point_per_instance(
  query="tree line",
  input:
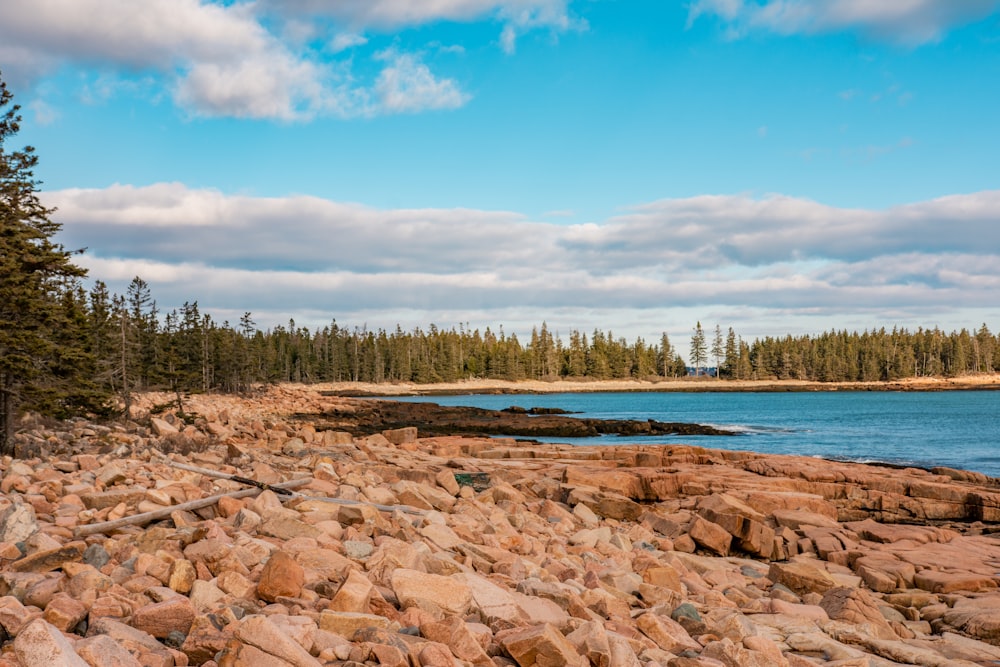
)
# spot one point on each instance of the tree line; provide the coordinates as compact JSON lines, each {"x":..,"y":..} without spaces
{"x":66,"y":349}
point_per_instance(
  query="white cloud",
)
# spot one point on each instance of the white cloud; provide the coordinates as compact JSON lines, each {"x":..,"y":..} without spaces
{"x":407,"y":85}
{"x":221,"y":59}
{"x":910,"y":22}
{"x":517,"y":16}
{"x":779,"y":257}
{"x":347,"y":40}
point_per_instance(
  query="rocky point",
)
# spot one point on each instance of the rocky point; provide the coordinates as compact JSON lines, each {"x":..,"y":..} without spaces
{"x":131,"y":544}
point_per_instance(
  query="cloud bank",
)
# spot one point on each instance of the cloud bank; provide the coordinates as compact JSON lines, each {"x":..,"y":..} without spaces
{"x":313,"y":258}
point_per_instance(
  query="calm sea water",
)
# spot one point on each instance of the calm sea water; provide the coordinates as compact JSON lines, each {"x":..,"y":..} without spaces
{"x":958,"y":429}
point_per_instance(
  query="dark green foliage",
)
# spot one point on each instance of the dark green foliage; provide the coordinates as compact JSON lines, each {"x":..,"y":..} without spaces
{"x":46,"y":338}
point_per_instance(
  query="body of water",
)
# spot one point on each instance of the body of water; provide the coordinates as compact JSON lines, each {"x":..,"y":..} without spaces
{"x":957,"y":429}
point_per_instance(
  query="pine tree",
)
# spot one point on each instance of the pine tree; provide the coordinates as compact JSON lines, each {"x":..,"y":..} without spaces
{"x":699,"y":349}
{"x":717,"y":350}
{"x":39,"y":327}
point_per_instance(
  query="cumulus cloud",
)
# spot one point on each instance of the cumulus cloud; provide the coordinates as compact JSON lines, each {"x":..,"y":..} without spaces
{"x":906,"y":21}
{"x":780,"y":256}
{"x":406,"y":85}
{"x":222,"y":60}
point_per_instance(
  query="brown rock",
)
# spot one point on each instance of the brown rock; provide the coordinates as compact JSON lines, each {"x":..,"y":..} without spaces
{"x":857,"y":607}
{"x":49,"y":559}
{"x":181,"y":576}
{"x":454,"y":633}
{"x":400,"y":436}
{"x":159,"y":619}
{"x":667,"y":633}
{"x":346,"y":623}
{"x":206,"y":637}
{"x":13,"y":615}
{"x":260,"y":632}
{"x":948,"y":582}
{"x":709,"y":535}
{"x":354,"y":594}
{"x":17,"y":522}
{"x":591,"y":641}
{"x":541,"y":646}
{"x":801,"y":576}
{"x":41,"y":644}
{"x":436,"y":655}
{"x":238,"y":654}
{"x":281,"y":576}
{"x":431,"y":592}
{"x":103,"y":651}
{"x":65,"y":612}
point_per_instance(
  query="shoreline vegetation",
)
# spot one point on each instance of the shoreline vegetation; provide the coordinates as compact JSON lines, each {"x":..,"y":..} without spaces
{"x":978,"y":382}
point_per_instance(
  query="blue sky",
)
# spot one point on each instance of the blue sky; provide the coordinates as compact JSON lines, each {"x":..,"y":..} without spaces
{"x":778,"y":166}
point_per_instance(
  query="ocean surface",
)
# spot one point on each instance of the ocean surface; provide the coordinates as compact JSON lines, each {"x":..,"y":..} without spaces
{"x":957,"y":429}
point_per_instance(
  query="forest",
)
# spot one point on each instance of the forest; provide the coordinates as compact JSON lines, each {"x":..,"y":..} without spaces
{"x":66,"y":349}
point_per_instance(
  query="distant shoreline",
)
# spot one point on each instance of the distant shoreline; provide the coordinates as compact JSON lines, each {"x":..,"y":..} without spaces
{"x":688,"y":385}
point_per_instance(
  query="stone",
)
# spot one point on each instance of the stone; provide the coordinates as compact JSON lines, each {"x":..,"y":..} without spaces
{"x":453,"y":632}
{"x":182,"y":575}
{"x":40,"y":644}
{"x":947,"y":582}
{"x":667,"y":633}
{"x":207,"y":636}
{"x":300,"y":628}
{"x":161,"y":427}
{"x":431,"y":592}
{"x":13,"y":615}
{"x":802,"y":577}
{"x":261,"y":633}
{"x":710,"y":535}
{"x":159,"y":619}
{"x":50,"y":559}
{"x":281,"y":576}
{"x":17,"y":522}
{"x":346,"y":623}
{"x":491,"y":601}
{"x":433,"y":654}
{"x":858,"y":607}
{"x":64,"y":612}
{"x":103,"y":651}
{"x":590,"y":640}
{"x":541,"y":646}
{"x":401,"y":436}
{"x":354,"y":594}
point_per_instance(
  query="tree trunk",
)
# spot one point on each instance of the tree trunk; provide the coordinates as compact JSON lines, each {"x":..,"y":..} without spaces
{"x":7,"y":411}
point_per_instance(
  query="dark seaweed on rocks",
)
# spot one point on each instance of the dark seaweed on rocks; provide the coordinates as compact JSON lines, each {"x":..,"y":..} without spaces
{"x":431,"y":419}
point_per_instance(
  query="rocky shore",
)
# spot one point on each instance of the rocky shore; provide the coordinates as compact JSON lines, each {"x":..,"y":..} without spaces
{"x":373,"y":416}
{"x":129,"y":545}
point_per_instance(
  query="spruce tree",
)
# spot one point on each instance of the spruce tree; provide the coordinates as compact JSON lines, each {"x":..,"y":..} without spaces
{"x":699,"y":349}
{"x":40,"y":349}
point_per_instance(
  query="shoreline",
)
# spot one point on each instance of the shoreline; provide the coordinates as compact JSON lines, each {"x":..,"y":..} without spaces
{"x":984,"y":382}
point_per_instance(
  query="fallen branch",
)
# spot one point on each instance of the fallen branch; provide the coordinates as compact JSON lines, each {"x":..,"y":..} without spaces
{"x":337,"y":501}
{"x":156,"y":515}
{"x":225,"y":475}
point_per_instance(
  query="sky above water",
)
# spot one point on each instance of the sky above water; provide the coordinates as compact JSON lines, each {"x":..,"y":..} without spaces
{"x":774,"y":166}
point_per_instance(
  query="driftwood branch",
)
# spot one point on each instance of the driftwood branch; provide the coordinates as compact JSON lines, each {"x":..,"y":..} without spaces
{"x":156,"y":515}
{"x":337,"y":501}
{"x":225,"y":475}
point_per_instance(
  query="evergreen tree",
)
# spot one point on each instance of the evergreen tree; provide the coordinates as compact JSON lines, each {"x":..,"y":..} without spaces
{"x":717,"y":350}
{"x":699,"y":349}
{"x":41,"y":345}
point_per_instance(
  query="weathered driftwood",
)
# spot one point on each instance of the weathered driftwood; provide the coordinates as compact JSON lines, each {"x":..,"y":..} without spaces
{"x":156,"y":515}
{"x":208,"y":472}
